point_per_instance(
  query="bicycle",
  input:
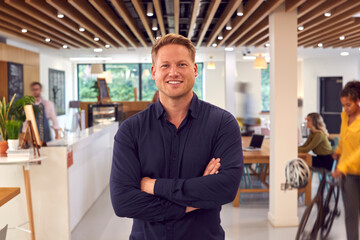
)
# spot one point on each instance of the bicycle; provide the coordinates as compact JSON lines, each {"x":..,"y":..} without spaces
{"x":321,"y":212}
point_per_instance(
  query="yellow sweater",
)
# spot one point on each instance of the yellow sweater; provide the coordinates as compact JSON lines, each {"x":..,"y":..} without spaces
{"x":349,"y":146}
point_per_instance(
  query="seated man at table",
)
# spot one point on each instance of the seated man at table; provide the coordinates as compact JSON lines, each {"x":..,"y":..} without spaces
{"x":318,"y":142}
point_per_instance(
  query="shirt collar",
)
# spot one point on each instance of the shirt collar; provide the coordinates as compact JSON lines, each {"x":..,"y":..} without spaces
{"x":193,"y":109}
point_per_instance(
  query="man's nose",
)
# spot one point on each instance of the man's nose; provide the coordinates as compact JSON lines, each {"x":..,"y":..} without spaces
{"x":173,"y":70}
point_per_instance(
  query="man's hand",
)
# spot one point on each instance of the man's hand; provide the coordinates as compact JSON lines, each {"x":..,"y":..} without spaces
{"x":147,"y":185}
{"x":337,"y":173}
{"x":212,"y":167}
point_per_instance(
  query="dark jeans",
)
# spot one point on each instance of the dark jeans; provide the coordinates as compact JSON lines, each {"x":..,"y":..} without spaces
{"x":323,"y":161}
{"x":351,"y":196}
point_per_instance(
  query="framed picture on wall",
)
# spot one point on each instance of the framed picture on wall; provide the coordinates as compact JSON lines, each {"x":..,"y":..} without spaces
{"x":15,"y":80}
{"x":57,"y":90}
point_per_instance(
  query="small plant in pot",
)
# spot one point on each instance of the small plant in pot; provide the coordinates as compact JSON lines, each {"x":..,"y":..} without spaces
{"x":4,"y":116}
{"x":13,"y":129}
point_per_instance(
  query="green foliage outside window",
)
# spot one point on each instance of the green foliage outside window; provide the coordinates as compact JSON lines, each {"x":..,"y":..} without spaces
{"x":124,"y":78}
{"x":265,"y":89}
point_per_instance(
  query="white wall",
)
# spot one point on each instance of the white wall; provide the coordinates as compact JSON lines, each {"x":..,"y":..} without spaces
{"x":247,"y":73}
{"x":347,"y":67}
{"x":214,"y":85}
{"x":61,"y":64}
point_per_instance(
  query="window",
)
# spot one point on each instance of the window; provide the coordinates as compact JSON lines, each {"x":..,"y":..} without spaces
{"x":126,"y":77}
{"x":265,"y":89}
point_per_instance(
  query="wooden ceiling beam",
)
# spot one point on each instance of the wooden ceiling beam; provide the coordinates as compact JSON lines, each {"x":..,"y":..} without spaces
{"x":345,"y":44}
{"x":110,"y":16}
{"x":176,"y":15}
{"x":9,"y":31}
{"x":194,"y":13}
{"x":50,"y":11}
{"x":121,"y":8}
{"x":291,"y":5}
{"x":264,"y":24}
{"x":261,"y":43}
{"x":85,"y":8}
{"x":21,"y":6}
{"x":159,"y":16}
{"x":310,"y":29}
{"x":29,"y":22}
{"x":76,"y":16}
{"x":139,"y":7}
{"x":208,"y":18}
{"x":22,"y":24}
{"x":352,"y":37}
{"x":224,"y":18}
{"x":258,"y":38}
{"x":40,"y":39}
{"x":249,"y":9}
{"x":346,"y":31}
{"x":319,"y":11}
{"x":261,"y":13}
{"x":337,"y":27}
{"x":308,"y":6}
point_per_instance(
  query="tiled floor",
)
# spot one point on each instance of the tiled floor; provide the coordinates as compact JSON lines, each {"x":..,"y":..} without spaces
{"x":249,"y":222}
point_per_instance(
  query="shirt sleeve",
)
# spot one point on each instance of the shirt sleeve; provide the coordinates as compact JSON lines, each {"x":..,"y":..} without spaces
{"x":52,"y":115}
{"x":352,"y":164}
{"x":126,"y":197}
{"x":210,"y":191}
{"x":301,"y":148}
{"x":314,"y":142}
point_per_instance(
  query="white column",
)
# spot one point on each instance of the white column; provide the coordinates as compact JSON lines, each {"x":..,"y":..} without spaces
{"x":283,"y":114}
{"x":230,"y":66}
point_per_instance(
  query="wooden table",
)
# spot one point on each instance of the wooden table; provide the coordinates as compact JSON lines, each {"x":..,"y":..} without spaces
{"x":263,"y":157}
{"x":6,"y":194}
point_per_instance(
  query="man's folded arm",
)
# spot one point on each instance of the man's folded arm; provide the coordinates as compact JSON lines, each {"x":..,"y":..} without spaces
{"x":213,"y":190}
{"x":127,"y":198}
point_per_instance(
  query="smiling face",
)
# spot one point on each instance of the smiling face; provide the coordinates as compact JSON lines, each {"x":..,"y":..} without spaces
{"x":174,"y":72}
{"x":350,"y":106}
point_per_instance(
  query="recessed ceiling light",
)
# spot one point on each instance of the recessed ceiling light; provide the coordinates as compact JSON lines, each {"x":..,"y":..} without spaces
{"x":228,"y":25}
{"x":344,"y":53}
{"x":214,"y":44}
{"x":107,"y":46}
{"x":220,"y":37}
{"x":267,"y":44}
{"x":229,"y":49}
{"x":320,"y":45}
{"x":60,"y":15}
{"x":327,"y":14}
{"x":150,"y":10}
{"x":98,"y":49}
{"x":47,"y":40}
{"x":342,"y":37}
{"x":65,"y":46}
{"x":154,"y":25}
{"x":24,"y":30}
{"x":301,"y":28}
{"x":240,"y":11}
{"x":96,"y":39}
{"x":81,"y":29}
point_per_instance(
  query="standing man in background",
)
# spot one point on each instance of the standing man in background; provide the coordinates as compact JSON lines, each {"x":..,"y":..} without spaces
{"x":177,"y":162}
{"x":46,"y":112}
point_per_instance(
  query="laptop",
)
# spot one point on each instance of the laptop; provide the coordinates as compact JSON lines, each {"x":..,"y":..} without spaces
{"x":3,"y":233}
{"x":255,"y":143}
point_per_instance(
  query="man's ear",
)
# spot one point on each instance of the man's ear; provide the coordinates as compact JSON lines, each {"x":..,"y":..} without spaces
{"x":195,"y":69}
{"x":153,"y":72}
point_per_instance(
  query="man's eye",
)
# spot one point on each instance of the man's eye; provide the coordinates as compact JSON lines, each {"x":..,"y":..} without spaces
{"x":164,"y":66}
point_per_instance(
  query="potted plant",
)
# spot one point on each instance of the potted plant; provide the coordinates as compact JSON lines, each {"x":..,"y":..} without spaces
{"x":4,"y":116}
{"x":13,"y":129}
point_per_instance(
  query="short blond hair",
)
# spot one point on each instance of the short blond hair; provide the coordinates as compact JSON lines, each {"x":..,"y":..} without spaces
{"x":172,"y":38}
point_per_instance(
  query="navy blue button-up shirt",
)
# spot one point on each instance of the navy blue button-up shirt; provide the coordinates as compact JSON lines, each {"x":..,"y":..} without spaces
{"x":148,"y":145}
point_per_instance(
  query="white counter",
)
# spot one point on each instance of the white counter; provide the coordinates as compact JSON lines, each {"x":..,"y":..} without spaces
{"x":62,"y":193}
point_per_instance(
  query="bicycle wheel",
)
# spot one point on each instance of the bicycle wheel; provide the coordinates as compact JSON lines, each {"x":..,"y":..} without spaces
{"x":309,"y":225}
{"x":330,"y":210}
